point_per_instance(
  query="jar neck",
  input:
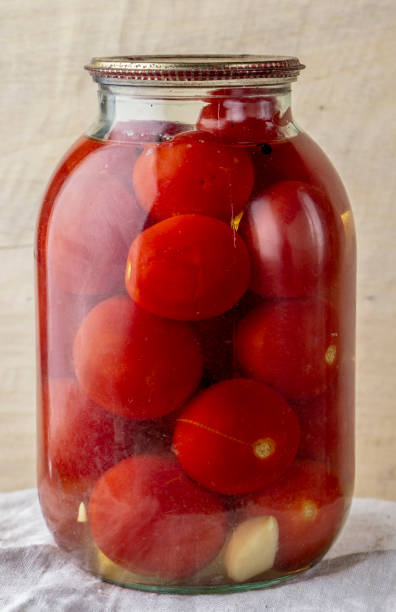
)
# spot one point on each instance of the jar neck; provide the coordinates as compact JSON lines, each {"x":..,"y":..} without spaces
{"x":119,"y":104}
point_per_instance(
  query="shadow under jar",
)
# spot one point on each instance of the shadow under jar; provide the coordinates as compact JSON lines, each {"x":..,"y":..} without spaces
{"x":196,"y":302}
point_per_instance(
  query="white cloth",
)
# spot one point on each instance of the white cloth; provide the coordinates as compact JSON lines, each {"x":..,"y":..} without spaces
{"x":359,"y":573}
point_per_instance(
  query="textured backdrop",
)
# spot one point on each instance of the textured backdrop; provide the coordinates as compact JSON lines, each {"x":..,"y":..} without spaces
{"x":345,"y":99}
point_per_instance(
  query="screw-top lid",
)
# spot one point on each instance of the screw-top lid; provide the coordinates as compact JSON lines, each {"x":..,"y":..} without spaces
{"x":195,"y":69}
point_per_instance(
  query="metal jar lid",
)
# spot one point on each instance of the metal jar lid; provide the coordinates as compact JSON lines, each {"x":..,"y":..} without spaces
{"x":195,"y":70}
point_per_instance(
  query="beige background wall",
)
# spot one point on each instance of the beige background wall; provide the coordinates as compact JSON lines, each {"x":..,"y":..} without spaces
{"x":345,"y":99}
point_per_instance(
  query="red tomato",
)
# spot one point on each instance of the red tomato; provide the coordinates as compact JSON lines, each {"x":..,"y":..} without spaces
{"x":291,"y":345}
{"x":293,"y":237}
{"x":244,"y":120}
{"x":160,"y":522}
{"x":90,"y":231}
{"x":139,"y":131}
{"x":135,"y":364}
{"x":84,"y":440}
{"x":236,"y":436}
{"x":193,"y":174}
{"x":307,"y":503}
{"x":189,"y":267}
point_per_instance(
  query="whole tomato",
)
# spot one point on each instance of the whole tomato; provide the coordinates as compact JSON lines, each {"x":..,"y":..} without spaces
{"x":189,"y":267}
{"x":244,"y":119}
{"x":236,"y":436}
{"x":193,"y":173}
{"x":292,"y":345}
{"x":133,"y":363}
{"x":308,"y":504}
{"x":293,"y":237}
{"x":147,"y":516}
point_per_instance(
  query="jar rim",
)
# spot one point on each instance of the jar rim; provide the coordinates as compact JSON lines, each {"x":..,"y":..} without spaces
{"x":194,"y":70}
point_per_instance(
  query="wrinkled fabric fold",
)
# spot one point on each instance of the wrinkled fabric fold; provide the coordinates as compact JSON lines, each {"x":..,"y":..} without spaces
{"x":359,"y":573}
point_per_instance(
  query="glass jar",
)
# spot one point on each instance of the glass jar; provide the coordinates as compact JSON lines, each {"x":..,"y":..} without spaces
{"x":196,"y":303}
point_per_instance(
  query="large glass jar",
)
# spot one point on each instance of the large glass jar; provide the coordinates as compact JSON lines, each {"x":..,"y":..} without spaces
{"x":196,"y":302}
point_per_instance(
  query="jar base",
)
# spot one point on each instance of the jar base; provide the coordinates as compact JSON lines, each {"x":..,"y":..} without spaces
{"x":212,"y":589}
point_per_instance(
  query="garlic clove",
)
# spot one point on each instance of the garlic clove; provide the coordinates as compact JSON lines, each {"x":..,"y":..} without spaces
{"x":252,"y":548}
